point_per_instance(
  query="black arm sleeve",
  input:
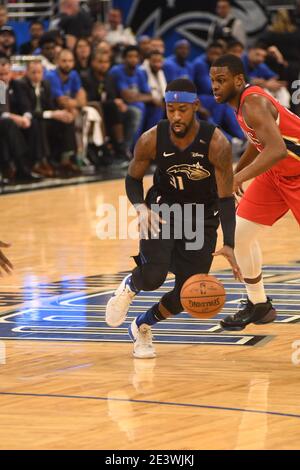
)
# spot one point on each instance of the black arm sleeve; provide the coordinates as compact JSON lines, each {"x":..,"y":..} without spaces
{"x":134,"y":190}
{"x":228,"y":220}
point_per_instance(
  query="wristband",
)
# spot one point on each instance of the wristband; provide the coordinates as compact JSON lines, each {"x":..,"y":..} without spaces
{"x":228,"y":219}
{"x":134,"y":190}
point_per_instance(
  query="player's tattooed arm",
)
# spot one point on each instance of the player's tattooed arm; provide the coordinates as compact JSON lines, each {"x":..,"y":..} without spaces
{"x":144,"y":153}
{"x":260,"y":114}
{"x":220,"y":155}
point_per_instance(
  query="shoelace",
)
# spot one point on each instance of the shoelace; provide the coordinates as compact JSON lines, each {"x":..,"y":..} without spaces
{"x":146,"y":336}
{"x":119,"y":300}
{"x":246,"y":304}
{"x":242,"y":312}
{"x":126,"y":291}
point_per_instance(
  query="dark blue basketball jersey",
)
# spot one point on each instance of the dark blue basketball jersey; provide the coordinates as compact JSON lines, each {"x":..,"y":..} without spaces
{"x":185,"y":176}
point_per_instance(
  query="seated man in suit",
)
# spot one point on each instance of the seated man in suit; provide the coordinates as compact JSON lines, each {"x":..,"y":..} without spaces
{"x":15,"y":119}
{"x":40,"y":104}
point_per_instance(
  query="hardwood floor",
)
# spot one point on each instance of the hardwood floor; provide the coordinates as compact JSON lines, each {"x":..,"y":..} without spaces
{"x":57,"y":392}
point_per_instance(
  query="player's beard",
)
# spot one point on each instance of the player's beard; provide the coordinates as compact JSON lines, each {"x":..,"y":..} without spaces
{"x":181,"y":134}
{"x":229,"y":97}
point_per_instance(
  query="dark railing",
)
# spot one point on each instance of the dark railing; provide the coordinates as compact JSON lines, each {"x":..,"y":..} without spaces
{"x":20,"y":10}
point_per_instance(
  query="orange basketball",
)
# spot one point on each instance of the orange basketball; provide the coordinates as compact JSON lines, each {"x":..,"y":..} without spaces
{"x":202,"y":296}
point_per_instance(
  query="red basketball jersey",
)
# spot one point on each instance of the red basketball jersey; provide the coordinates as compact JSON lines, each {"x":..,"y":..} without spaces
{"x":289,"y":125}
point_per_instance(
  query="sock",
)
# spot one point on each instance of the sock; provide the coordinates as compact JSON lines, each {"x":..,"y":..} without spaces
{"x":150,"y":317}
{"x":256,"y":292}
{"x":130,"y":284}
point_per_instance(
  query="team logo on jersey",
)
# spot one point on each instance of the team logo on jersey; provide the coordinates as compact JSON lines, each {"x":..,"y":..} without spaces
{"x":196,"y":154}
{"x":194,"y":172}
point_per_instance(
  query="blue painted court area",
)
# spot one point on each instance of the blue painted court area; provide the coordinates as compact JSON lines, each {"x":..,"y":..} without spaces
{"x":79,"y":315}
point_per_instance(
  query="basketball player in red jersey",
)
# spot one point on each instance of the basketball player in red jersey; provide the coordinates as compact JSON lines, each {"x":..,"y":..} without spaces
{"x":272,"y":158}
{"x":5,"y":264}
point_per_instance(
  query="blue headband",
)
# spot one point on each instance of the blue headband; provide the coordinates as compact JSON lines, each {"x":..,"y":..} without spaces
{"x":180,"y":97}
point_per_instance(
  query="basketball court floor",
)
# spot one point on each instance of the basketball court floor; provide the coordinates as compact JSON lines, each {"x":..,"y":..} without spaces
{"x":70,"y":382}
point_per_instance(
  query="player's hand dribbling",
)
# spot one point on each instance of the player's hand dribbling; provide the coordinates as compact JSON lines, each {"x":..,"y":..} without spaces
{"x":228,"y":253}
{"x":149,"y":222}
{"x":5,"y":264}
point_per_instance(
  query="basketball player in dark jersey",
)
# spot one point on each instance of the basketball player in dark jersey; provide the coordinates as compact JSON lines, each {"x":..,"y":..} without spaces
{"x":5,"y":264}
{"x":193,"y":166}
{"x":272,"y":158}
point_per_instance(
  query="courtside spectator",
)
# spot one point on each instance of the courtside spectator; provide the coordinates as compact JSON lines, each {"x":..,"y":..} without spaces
{"x":284,"y":35}
{"x":73,"y":21}
{"x":94,"y":9}
{"x":82,"y":54}
{"x":47,"y":51}
{"x":132,"y":87}
{"x":100,"y":89}
{"x":40,"y":104}
{"x":36,"y":32}
{"x":226,"y":26}
{"x":67,"y":91}
{"x":202,"y":66}
{"x":177,"y":65}
{"x":105,"y":48}
{"x":117,"y":33}
{"x":144,"y":45}
{"x":157,"y":44}
{"x":236,"y":48}
{"x":7,"y":41}
{"x":222,"y":115}
{"x":258,"y":73}
{"x":15,"y":118}
{"x":99,"y":32}
{"x":157,"y":83}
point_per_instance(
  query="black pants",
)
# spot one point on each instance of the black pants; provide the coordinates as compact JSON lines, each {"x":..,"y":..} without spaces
{"x":159,"y":256}
{"x":112,"y":115}
{"x":62,"y":139}
{"x":37,"y":140}
{"x":13,"y":145}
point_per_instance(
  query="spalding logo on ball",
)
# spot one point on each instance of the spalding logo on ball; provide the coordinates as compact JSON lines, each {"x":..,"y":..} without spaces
{"x":202,"y":296}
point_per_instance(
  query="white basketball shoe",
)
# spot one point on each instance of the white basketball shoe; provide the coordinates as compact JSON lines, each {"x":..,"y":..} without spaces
{"x":118,"y":305}
{"x":142,"y":341}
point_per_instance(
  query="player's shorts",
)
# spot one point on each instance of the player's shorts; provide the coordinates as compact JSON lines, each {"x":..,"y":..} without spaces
{"x":269,"y":197}
{"x":174,"y":253}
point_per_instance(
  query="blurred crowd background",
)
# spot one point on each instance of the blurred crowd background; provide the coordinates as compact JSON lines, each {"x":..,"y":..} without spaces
{"x":78,"y":84}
